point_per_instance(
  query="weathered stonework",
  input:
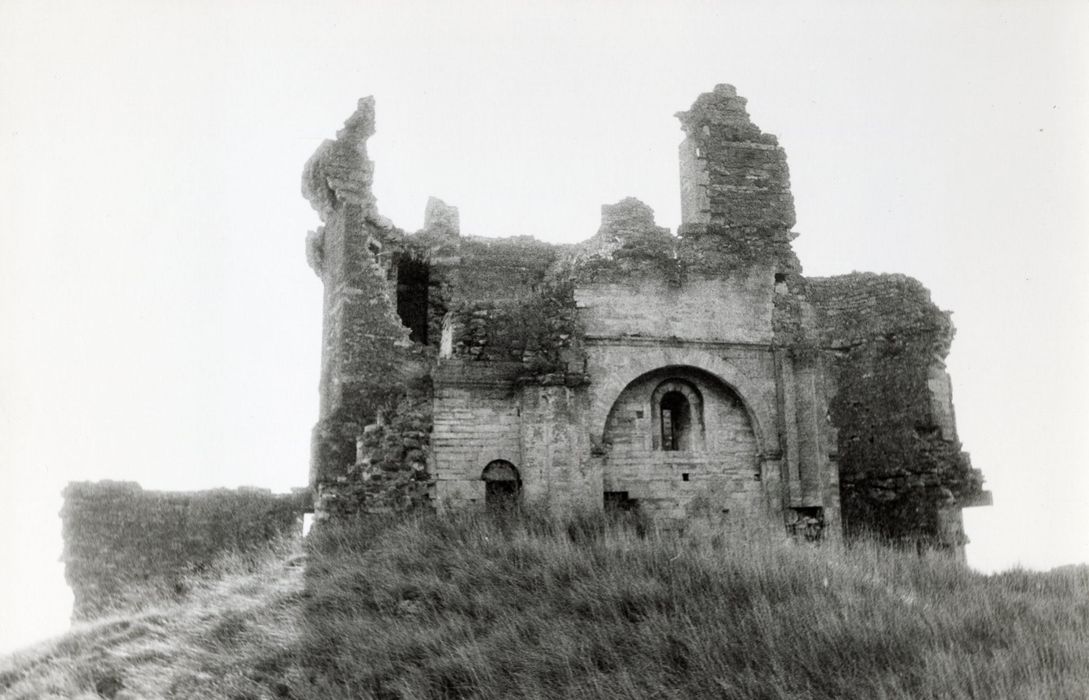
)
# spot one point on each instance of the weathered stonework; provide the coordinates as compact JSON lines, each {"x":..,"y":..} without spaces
{"x":697,"y":376}
{"x":122,"y":542}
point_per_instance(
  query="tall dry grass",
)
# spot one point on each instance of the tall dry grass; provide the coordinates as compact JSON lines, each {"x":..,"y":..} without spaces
{"x":232,"y":634}
{"x":533,"y":607}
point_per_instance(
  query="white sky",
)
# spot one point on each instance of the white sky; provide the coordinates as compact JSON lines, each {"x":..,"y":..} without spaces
{"x":160,"y":323}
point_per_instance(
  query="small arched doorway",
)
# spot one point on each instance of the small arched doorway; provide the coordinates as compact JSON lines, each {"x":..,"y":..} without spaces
{"x":502,"y":485}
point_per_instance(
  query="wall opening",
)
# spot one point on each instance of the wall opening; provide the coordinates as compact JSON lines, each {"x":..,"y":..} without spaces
{"x":413,"y":280}
{"x":807,"y":522}
{"x":502,"y":485}
{"x":781,"y":283}
{"x":676,"y":421}
{"x":618,"y":501}
{"x":677,"y":416}
{"x":446,"y":342}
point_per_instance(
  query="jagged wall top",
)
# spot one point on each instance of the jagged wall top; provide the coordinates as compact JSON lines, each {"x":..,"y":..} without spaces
{"x":340,"y":171}
{"x":725,"y":110}
{"x":441,"y":217}
{"x":628,"y":218}
{"x":733,"y":176}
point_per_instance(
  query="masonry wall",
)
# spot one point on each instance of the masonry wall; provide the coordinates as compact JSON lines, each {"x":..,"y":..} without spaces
{"x":735,"y":307}
{"x":366,"y":359}
{"x":716,"y":474}
{"x":902,"y":471}
{"x":732,"y":173}
{"x":530,"y":348}
{"x":483,"y":413}
{"x":498,"y":269}
{"x":122,"y":542}
{"x":477,"y":420}
{"x":390,"y":471}
{"x":557,"y":454}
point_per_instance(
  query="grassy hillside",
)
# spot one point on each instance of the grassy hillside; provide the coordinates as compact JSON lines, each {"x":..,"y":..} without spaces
{"x":459,"y":607}
{"x":532,"y":607}
{"x":232,"y":635}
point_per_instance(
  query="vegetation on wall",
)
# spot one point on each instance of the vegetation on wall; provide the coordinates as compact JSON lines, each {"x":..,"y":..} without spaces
{"x":897,"y":468}
{"x":714,"y":249}
{"x":541,"y":331}
{"x":391,"y":473}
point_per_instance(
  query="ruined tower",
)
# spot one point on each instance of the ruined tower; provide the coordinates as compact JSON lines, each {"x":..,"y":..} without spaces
{"x":732,"y":174}
{"x":697,"y":377}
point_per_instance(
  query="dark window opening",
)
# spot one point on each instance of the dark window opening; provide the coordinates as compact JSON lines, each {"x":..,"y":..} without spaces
{"x":619,"y":501}
{"x":502,"y":486}
{"x":413,"y":278}
{"x":808,"y":523}
{"x":684,"y":476}
{"x":676,"y":421}
{"x":501,"y":495}
{"x":927,"y":432}
{"x":781,"y":283}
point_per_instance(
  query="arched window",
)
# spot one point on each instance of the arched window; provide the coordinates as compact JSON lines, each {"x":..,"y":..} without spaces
{"x":502,"y":485}
{"x":678,"y":409}
{"x":676,"y":421}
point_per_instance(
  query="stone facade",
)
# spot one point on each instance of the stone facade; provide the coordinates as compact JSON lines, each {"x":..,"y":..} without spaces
{"x":695,"y":377}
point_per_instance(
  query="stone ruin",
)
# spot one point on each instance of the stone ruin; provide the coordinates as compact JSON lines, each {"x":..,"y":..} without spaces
{"x":695,"y":377}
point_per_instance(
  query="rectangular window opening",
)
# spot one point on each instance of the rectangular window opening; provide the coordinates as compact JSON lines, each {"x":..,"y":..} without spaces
{"x":619,"y":501}
{"x":668,"y":442}
{"x":808,"y":523}
{"x":413,"y":280}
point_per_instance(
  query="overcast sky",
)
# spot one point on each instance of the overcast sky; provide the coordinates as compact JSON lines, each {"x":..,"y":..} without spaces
{"x":160,"y":323}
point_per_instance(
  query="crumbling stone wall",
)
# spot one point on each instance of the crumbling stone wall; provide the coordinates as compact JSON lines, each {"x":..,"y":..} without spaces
{"x":541,"y":331}
{"x":444,"y":353}
{"x":122,"y":542}
{"x":390,"y":470}
{"x":366,"y":358}
{"x":498,"y":269}
{"x":902,"y":470}
{"x":732,"y":173}
{"x":394,"y":302}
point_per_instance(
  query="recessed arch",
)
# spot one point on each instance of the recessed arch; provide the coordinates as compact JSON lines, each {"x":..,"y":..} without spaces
{"x":680,"y":442}
{"x":620,"y":370}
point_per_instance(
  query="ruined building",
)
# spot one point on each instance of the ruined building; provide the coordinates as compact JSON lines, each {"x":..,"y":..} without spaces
{"x":694,"y":377}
